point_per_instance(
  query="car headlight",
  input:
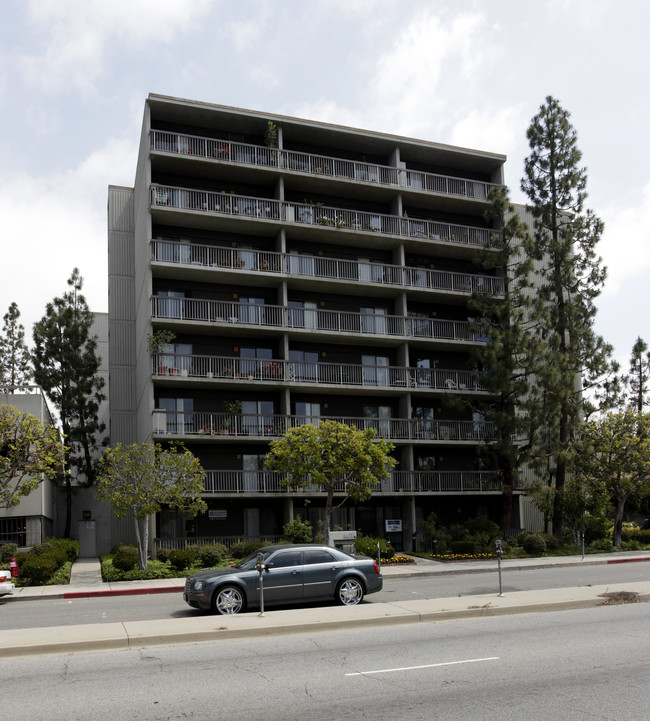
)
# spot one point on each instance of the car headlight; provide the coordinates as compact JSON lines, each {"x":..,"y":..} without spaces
{"x":198,"y":585}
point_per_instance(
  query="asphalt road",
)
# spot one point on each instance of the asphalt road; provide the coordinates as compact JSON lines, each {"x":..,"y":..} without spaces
{"x":59,"y":612}
{"x":566,"y":666}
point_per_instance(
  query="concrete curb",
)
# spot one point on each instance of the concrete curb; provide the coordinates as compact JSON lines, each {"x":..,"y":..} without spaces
{"x":208,"y":629}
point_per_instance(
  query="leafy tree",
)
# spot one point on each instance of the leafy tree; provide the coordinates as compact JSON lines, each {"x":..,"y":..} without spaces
{"x":29,"y":453}
{"x":15,"y":361}
{"x":333,"y":456}
{"x":142,"y":478}
{"x":615,"y":459}
{"x":569,"y":277}
{"x":66,"y":366}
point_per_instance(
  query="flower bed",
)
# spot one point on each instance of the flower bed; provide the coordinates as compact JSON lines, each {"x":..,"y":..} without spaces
{"x":448,"y":557}
{"x":396,"y":560}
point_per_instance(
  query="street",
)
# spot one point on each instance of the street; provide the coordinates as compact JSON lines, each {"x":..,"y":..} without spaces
{"x":59,"y":612}
{"x":566,"y":665}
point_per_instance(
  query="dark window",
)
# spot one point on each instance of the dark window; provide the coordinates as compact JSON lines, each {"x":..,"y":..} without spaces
{"x":318,"y":555}
{"x":286,"y":558}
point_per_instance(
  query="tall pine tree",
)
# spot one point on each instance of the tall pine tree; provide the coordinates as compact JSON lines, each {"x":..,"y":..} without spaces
{"x":569,"y":277}
{"x":15,"y":361}
{"x":638,"y":379}
{"x":66,"y":366}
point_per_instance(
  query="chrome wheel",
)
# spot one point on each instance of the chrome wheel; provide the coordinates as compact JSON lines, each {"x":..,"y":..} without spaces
{"x":349,"y":592}
{"x":229,"y":600}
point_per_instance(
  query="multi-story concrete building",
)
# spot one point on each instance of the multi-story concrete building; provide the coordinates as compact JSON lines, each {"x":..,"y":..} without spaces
{"x":324,"y":275}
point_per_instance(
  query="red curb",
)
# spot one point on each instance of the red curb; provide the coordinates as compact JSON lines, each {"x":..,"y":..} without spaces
{"x":627,"y":560}
{"x":124,"y":592}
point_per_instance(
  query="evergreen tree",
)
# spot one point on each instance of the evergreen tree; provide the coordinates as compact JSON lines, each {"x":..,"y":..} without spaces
{"x":569,"y":277}
{"x":503,"y":366}
{"x":65,"y":366}
{"x":15,"y":361}
{"x":639,"y":377}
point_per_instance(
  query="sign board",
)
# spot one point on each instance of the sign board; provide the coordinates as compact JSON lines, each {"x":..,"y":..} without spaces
{"x":394,"y":526}
{"x":218,"y":514}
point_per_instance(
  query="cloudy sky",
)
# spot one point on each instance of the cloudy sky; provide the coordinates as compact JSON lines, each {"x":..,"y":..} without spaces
{"x":74,"y":75}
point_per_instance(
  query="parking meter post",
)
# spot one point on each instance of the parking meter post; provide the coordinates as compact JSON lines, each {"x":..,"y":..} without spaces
{"x":260,"y":568}
{"x":583,"y":545}
{"x":499,"y":549}
{"x":379,"y":555}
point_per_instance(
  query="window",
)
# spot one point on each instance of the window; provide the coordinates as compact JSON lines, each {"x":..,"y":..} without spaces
{"x":250,"y":310}
{"x":170,"y":304}
{"x":257,"y":418}
{"x":319,"y":555}
{"x":283,"y":559}
{"x":304,"y":366}
{"x":375,"y":370}
{"x":252,"y":360}
{"x":307,"y":413}
{"x":303,"y":314}
{"x":180,"y":416}
{"x":373,"y":320}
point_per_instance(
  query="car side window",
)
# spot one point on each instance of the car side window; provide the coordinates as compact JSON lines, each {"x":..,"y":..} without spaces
{"x":285,"y":558}
{"x":318,"y":555}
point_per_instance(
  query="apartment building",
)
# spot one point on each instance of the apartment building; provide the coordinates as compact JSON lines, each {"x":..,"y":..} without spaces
{"x":306,"y":271}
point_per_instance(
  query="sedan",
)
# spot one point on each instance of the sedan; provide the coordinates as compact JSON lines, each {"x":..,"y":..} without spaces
{"x":6,"y":584}
{"x":289,"y":574}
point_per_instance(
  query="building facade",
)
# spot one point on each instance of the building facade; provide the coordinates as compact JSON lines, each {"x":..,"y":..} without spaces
{"x":306,"y":271}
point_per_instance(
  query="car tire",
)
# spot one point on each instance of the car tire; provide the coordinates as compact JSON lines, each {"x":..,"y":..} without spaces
{"x":228,"y":600}
{"x":349,"y":592}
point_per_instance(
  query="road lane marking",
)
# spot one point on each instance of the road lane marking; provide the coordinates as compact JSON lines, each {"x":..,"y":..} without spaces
{"x":429,"y":665}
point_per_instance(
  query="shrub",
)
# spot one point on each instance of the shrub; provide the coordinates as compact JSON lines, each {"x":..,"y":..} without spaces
{"x":244,"y":549}
{"x":56,"y":553}
{"x":7,"y":551}
{"x":181,"y":558}
{"x":483,"y":524}
{"x":210,"y":554}
{"x":162,"y":554}
{"x":534,"y":544}
{"x":458,"y":532}
{"x":66,"y":545}
{"x":126,"y":558}
{"x":38,"y":569}
{"x":631,"y":546}
{"x":462,"y":548}
{"x":628,"y":534}
{"x":601,"y":545}
{"x":298,"y":531}
{"x":596,"y":528}
{"x":367,"y":546}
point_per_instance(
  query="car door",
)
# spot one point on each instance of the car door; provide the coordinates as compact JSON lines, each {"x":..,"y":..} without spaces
{"x":320,"y":571}
{"x":283,"y":577}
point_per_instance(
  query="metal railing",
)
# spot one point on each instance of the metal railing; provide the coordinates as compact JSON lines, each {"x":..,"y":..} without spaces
{"x":180,"y":253}
{"x":314,"y":164}
{"x":206,"y":201}
{"x":340,"y":374}
{"x":228,"y":541}
{"x":240,"y":481}
{"x":316,"y":319}
{"x":179,"y":423}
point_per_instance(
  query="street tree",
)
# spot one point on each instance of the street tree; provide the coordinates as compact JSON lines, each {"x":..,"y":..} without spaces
{"x":333,"y":456}
{"x":615,"y":458}
{"x":66,"y":367}
{"x":15,"y":361}
{"x":568,"y":278}
{"x":29,"y":453}
{"x":140,"y":479}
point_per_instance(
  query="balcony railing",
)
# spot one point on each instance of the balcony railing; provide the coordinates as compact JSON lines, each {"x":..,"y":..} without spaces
{"x":317,"y":319}
{"x":313,"y":164}
{"x":167,"y":196}
{"x":168,"y":251}
{"x":339,"y":374}
{"x":238,"y":481}
{"x":173,"y":423}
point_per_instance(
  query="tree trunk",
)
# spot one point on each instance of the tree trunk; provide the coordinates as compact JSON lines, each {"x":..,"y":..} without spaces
{"x":142,"y":539}
{"x":328,"y":515}
{"x":508,"y":483}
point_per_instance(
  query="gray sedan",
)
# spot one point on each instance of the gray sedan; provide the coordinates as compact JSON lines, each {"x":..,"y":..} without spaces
{"x":291,"y":574}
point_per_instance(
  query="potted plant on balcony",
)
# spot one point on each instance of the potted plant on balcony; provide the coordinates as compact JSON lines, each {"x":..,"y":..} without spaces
{"x":158,"y":343}
{"x":232,"y":409}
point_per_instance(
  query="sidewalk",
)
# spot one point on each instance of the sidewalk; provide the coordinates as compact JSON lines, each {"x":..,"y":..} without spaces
{"x":86,"y":582}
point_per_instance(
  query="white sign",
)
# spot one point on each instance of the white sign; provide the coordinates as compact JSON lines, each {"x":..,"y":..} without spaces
{"x":393,"y":526}
{"x":218,"y":515}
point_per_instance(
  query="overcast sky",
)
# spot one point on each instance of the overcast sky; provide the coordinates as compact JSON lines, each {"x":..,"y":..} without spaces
{"x":74,"y":76}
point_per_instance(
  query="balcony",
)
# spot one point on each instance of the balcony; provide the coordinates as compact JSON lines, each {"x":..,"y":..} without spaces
{"x":167,"y":197}
{"x":240,"y":482}
{"x":315,"y":320}
{"x":319,"y":165}
{"x":300,"y":372}
{"x":217,"y":425}
{"x":285,"y":264}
